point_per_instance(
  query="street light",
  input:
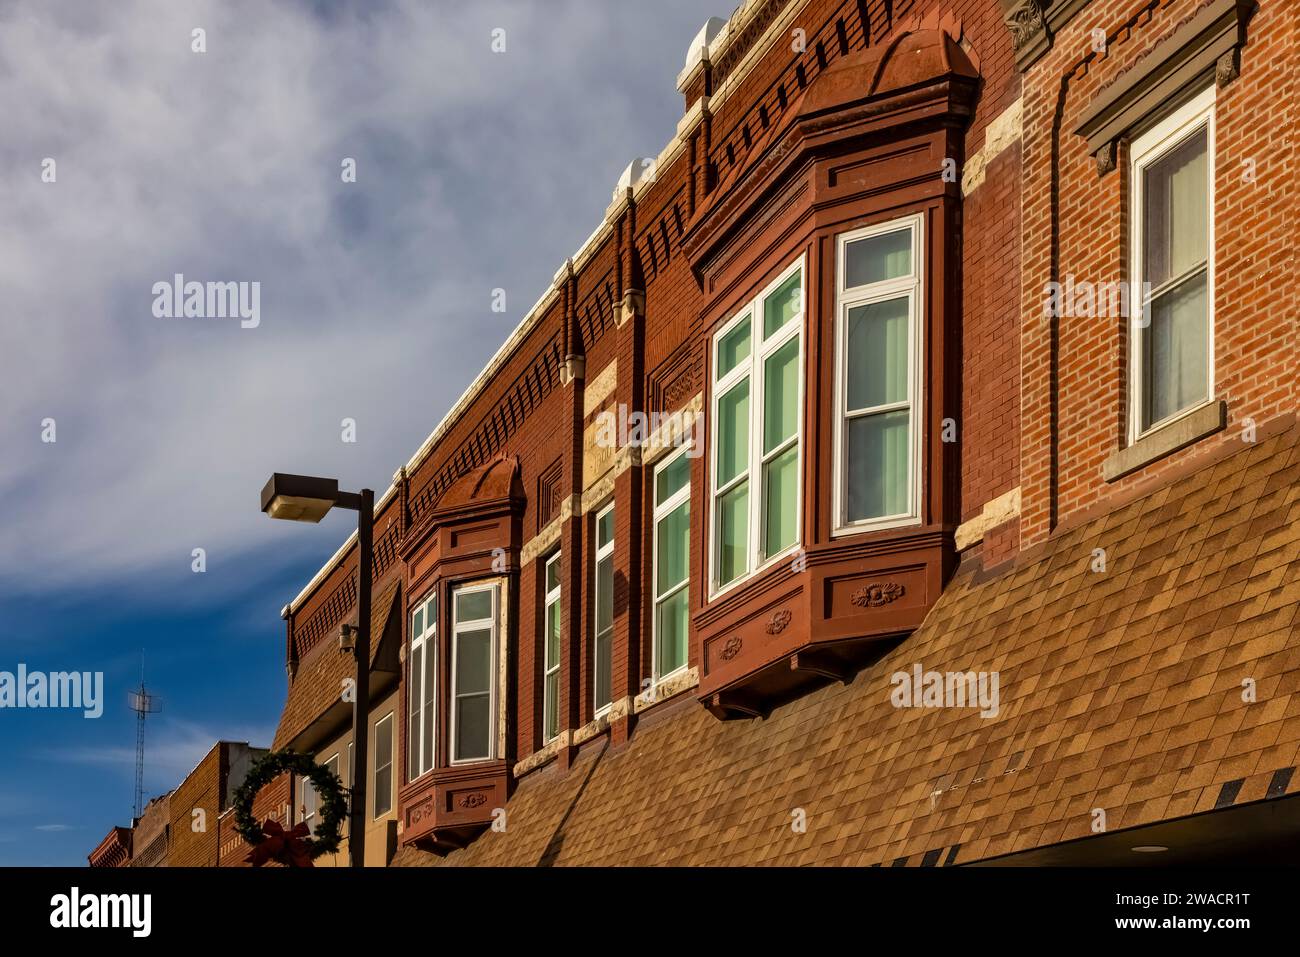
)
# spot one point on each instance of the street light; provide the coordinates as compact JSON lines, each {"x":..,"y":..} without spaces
{"x":305,"y":498}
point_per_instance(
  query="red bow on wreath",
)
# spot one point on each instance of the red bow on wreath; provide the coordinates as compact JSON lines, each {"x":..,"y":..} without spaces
{"x":285,"y":847}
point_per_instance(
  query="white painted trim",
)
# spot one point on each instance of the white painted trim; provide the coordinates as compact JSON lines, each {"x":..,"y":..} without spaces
{"x":752,"y":369}
{"x":1160,"y":139}
{"x":659,"y":511}
{"x":913,"y":286}
{"x":552,"y":597}
{"x":475,"y":624}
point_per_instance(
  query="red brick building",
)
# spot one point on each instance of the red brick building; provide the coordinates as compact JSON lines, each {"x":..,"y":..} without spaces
{"x":904,"y":472}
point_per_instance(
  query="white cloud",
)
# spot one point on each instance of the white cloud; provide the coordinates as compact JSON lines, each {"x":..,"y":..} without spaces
{"x":475,"y":170}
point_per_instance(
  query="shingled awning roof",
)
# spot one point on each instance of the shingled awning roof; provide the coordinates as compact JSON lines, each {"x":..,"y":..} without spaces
{"x":1120,"y":690}
{"x":317,"y":686}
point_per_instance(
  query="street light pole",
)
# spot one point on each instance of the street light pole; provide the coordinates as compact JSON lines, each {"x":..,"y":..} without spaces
{"x":361,"y":696}
{"x":304,"y":498}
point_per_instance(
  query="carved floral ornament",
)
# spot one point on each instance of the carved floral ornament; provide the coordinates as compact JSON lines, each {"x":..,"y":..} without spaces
{"x":473,"y":799}
{"x":777,"y":623}
{"x":732,"y":647}
{"x":875,"y":594}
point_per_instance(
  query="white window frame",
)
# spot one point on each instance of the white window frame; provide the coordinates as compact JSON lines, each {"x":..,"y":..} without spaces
{"x":476,"y":624}
{"x":552,"y":597}
{"x":660,"y":510}
{"x":912,"y":286}
{"x":1145,"y":149}
{"x":376,"y":814}
{"x":602,"y":552}
{"x":309,"y":788}
{"x":427,"y":641}
{"x":752,"y":368}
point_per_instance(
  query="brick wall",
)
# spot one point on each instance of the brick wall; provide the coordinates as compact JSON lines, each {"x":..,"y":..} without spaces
{"x":1254,"y":306}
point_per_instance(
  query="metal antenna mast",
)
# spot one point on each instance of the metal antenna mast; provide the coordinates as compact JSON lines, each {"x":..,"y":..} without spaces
{"x":142,"y":703}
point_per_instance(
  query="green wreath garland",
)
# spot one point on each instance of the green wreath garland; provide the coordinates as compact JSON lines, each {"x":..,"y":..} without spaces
{"x":333,"y":806}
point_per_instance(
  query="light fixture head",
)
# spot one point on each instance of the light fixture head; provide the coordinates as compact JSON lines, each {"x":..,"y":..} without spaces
{"x":299,"y":498}
{"x":347,"y":638}
{"x":1149,"y":849}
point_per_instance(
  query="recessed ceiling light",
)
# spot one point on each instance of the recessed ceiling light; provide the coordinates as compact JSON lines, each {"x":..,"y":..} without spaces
{"x":1150,"y":848}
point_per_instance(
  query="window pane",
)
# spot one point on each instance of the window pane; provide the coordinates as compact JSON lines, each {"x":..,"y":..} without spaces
{"x":733,"y":533}
{"x":672,"y":477}
{"x":473,"y":727}
{"x":780,"y":395}
{"x":473,"y":605}
{"x":383,"y":791}
{"x":413,"y":726}
{"x":783,"y":304}
{"x":551,"y":727}
{"x":733,"y":432}
{"x":886,"y":256}
{"x":733,"y":348}
{"x":383,"y":767}
{"x":552,"y":634}
{"x":878,"y":465}
{"x":673,"y":541}
{"x":430,"y":686}
{"x":1174,"y":351}
{"x":417,"y":626}
{"x":781,"y":488}
{"x":605,"y":529}
{"x":604,"y":648}
{"x":672,"y":630}
{"x":383,"y":743}
{"x":473,"y":661}
{"x":1175,"y":234}
{"x":552,"y":573}
{"x":877,"y":354}
{"x":605,"y":593}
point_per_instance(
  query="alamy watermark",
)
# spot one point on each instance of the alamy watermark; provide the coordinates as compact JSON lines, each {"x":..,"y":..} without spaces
{"x":179,"y":299}
{"x":919,"y":688}
{"x":619,"y":428}
{"x":1101,"y":300}
{"x":82,"y":690}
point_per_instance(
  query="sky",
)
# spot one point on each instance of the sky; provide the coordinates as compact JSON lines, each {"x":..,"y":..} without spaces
{"x":129,"y":439}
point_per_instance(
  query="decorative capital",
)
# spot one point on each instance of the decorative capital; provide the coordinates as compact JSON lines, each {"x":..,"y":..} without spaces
{"x":1030,"y":34}
{"x":1106,"y":158}
{"x":633,"y":305}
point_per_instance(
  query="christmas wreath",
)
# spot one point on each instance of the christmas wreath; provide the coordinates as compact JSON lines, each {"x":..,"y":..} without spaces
{"x":296,"y":847}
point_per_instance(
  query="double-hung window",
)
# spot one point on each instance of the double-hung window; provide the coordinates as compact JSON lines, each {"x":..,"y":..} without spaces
{"x":757,"y":414}
{"x":603,"y":643}
{"x":422,"y":682}
{"x":473,"y":672}
{"x":672,"y":563}
{"x":551,"y":624}
{"x":1173,"y":235}
{"x":879,"y":301}
{"x":383,"y":783}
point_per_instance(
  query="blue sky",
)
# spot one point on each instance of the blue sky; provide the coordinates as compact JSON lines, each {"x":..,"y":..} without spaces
{"x":475,"y":171}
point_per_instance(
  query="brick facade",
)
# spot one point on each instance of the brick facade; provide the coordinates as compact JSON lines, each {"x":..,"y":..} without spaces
{"x":805,"y":120}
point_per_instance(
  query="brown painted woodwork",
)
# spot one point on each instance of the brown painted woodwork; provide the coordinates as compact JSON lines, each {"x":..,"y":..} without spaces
{"x":473,"y":533}
{"x":868,"y":145}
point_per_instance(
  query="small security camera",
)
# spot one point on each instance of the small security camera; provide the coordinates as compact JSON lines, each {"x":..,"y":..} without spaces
{"x":347,"y":638}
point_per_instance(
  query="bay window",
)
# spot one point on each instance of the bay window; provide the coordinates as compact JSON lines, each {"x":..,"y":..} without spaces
{"x":473,"y":672}
{"x":603,"y":643}
{"x":879,"y":301}
{"x":757,"y":415}
{"x":1173,"y":227}
{"x":672,"y":563}
{"x":551,"y":651}
{"x":421,"y":684}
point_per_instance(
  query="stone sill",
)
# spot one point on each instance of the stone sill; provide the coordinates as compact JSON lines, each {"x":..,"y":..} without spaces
{"x":1178,"y":434}
{"x":676,"y":685}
